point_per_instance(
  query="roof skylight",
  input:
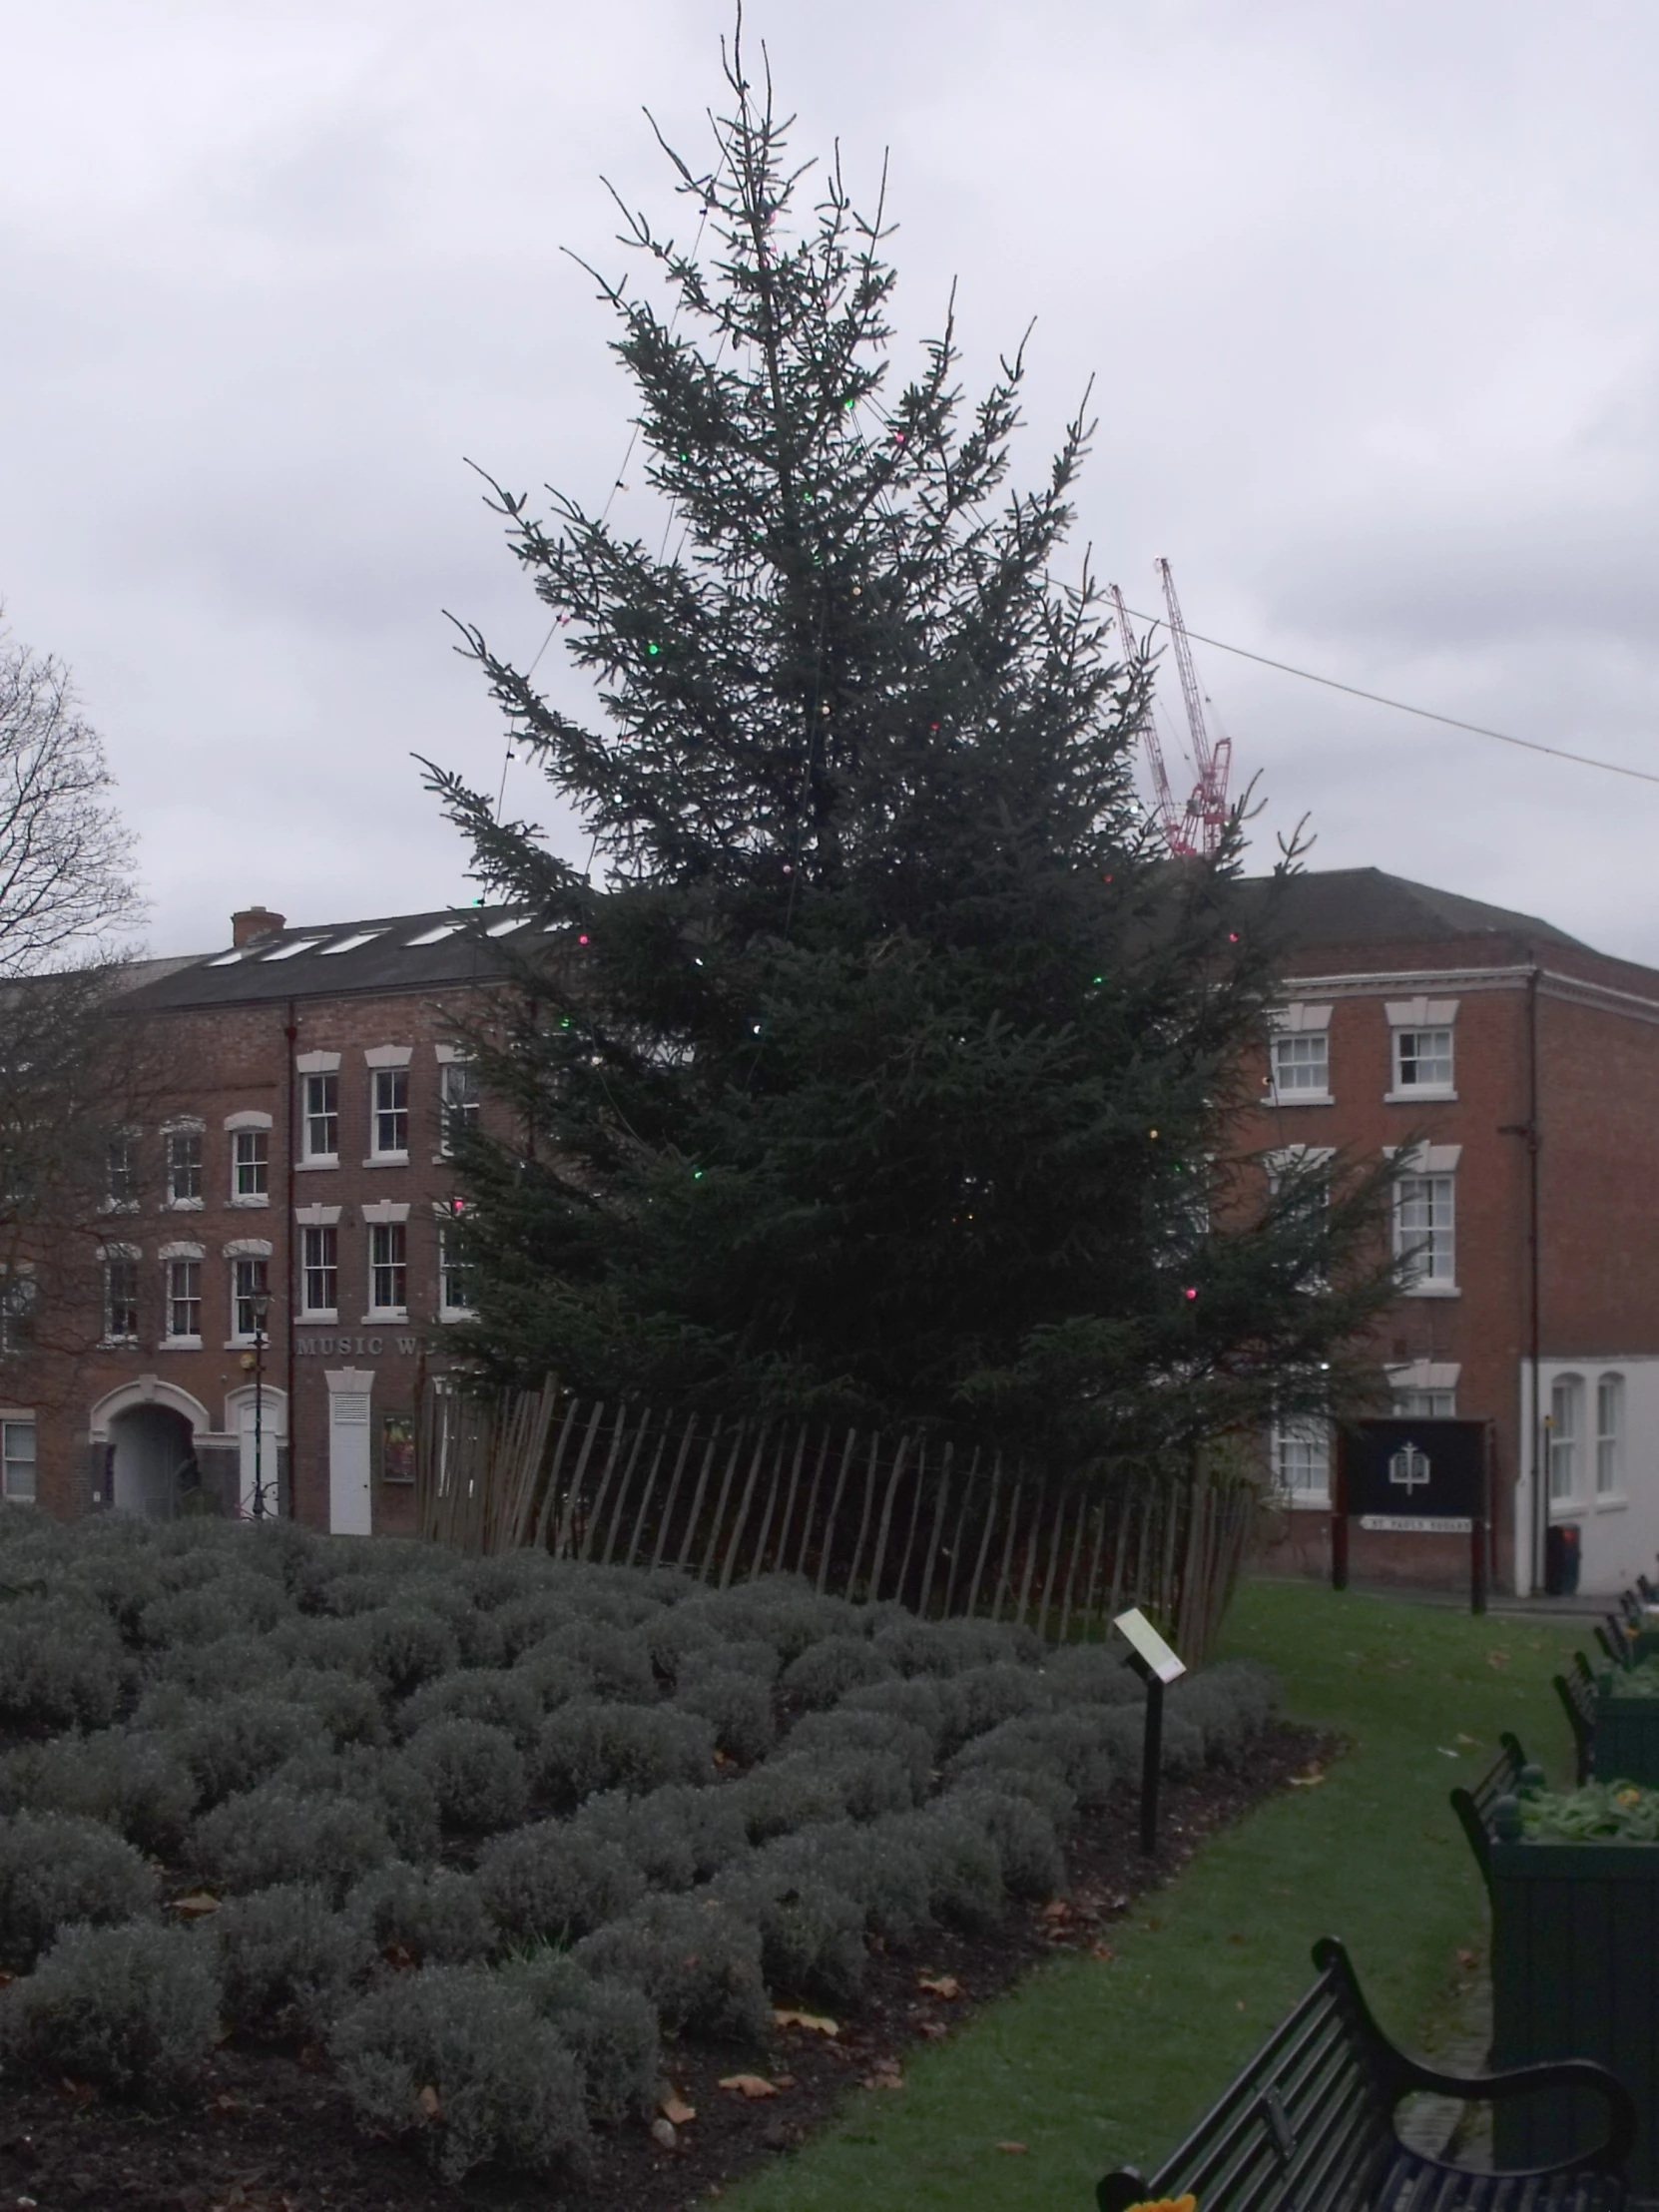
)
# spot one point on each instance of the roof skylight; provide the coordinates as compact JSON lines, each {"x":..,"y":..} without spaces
{"x":350,"y":944}
{"x":432,"y":937}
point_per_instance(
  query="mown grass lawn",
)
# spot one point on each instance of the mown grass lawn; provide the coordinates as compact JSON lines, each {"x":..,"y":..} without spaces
{"x":1093,"y":2064}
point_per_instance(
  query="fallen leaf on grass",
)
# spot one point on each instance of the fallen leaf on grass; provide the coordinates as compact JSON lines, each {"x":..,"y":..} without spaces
{"x":939,"y":1985}
{"x":888,"y":2073}
{"x":1307,"y":1781}
{"x":1445,"y":1751}
{"x":1469,"y":1958}
{"x":674,"y":2109}
{"x":749,"y":2085}
{"x":1056,"y":1909}
{"x":1016,"y":2150}
{"x":1466,"y":1740}
{"x":1103,"y":1952}
{"x":430,"y":2102}
{"x":933,"y":2029}
{"x":1497,"y":1658}
{"x":195,"y":1905}
{"x":816,"y":2021}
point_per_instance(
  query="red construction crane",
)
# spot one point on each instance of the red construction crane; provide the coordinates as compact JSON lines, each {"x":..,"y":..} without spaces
{"x":1207,"y":809}
{"x":1175,"y":825}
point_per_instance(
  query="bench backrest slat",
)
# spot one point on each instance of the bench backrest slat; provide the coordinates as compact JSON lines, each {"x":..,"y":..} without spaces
{"x":1309,"y":2078}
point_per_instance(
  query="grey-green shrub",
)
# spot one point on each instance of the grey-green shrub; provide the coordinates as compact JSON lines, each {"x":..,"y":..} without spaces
{"x":811,"y":1933}
{"x":676,"y":1836}
{"x":789,"y":1793}
{"x":616,"y":1661}
{"x":964,"y":1868}
{"x":1122,"y":1729}
{"x":610,"y":2028}
{"x":1082,"y":1747}
{"x":275,"y":1833}
{"x":983,"y":1698}
{"x":476,"y":1774}
{"x":1027,"y":1844}
{"x":286,"y":1961}
{"x":751,"y":1656}
{"x":854,"y":1729}
{"x":924,"y":1703}
{"x":586,"y":1747}
{"x":553,"y":1677}
{"x":697,"y":1958}
{"x":1094,"y":1674}
{"x":502,"y":1699}
{"x":433,"y":1913}
{"x":231,"y":1604}
{"x":554,"y":1880}
{"x":528,"y":1621}
{"x":408,"y":1645}
{"x":825,"y":1671}
{"x":508,"y":2091}
{"x":239,"y":1740}
{"x":55,"y":1869}
{"x":132,"y":2008}
{"x":60,"y":1667}
{"x":1229,"y":1704}
{"x":348,"y":1708}
{"x":952,"y":1647}
{"x":137,"y":1784}
{"x":394,"y":1791}
{"x":873,"y":1863}
{"x":230,"y":1665}
{"x":738,"y":1707}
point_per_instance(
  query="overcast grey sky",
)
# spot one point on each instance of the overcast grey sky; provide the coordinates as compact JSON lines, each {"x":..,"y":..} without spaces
{"x":1371,"y":293}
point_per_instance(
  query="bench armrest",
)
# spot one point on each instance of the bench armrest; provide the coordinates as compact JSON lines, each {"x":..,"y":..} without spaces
{"x":1551,"y":2073}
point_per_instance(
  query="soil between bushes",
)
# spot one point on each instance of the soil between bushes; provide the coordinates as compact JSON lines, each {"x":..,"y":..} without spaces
{"x":269,"y":2131}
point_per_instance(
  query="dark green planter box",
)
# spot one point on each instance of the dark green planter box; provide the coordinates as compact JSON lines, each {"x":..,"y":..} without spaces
{"x":1627,"y":1736}
{"x":1575,"y":1975}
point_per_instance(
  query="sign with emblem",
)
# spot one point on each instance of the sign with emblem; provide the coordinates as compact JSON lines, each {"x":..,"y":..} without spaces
{"x":1413,"y":1478}
{"x":1418,"y":1476}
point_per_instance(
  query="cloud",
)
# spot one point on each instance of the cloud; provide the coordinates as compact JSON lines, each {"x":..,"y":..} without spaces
{"x":1371,"y":298}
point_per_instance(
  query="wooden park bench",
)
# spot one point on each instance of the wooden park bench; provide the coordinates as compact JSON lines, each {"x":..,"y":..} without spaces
{"x":1309,"y":2127}
{"x":1474,"y":1807}
{"x":1577,"y":1692}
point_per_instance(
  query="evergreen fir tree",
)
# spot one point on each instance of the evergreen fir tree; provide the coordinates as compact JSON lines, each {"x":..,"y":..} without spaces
{"x":886,"y":1065}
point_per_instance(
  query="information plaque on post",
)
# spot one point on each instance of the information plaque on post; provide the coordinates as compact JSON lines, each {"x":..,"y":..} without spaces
{"x":1157,"y":1665}
{"x":1417,"y":1478}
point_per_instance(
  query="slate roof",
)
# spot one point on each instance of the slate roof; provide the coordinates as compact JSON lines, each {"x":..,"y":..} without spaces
{"x":1365,"y":906}
{"x":1326,"y":907}
{"x":368,"y":957}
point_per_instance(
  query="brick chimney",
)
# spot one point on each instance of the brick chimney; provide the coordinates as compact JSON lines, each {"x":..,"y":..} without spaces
{"x":253,"y":924}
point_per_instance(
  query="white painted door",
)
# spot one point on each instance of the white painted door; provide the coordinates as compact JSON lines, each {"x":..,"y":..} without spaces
{"x":350,"y":1510}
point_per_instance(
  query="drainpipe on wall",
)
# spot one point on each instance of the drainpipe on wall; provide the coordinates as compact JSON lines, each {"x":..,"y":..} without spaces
{"x":1539,"y":1473}
{"x":1538,"y":1501}
{"x":290,"y":1034}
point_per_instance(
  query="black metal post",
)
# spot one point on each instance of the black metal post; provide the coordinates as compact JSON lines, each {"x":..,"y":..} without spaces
{"x":259,"y":1409}
{"x":1479,"y":1526}
{"x":1152,"y":1759}
{"x":1338,"y":1519}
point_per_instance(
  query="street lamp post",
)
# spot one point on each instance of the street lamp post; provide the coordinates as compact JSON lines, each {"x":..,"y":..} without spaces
{"x":260,"y":1303}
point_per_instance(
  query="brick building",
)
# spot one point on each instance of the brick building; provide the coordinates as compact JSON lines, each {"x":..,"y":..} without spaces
{"x":271,"y":1258}
{"x":1512,"y":1071}
{"x":274,"y":1271}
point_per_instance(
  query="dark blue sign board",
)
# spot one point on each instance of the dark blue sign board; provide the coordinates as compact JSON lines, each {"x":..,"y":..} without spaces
{"x":1415,"y":1477}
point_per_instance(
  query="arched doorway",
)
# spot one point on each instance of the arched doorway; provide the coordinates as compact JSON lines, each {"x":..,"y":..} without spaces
{"x":148,"y":1446}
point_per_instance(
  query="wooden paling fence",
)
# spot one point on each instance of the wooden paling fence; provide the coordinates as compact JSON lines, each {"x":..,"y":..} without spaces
{"x":943,"y":1529}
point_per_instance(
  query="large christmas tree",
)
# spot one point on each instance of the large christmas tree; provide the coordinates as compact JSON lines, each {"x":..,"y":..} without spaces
{"x":885,"y":1065}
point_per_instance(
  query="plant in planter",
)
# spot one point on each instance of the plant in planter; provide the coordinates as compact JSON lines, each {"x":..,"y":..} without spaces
{"x":1575,"y":1877}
